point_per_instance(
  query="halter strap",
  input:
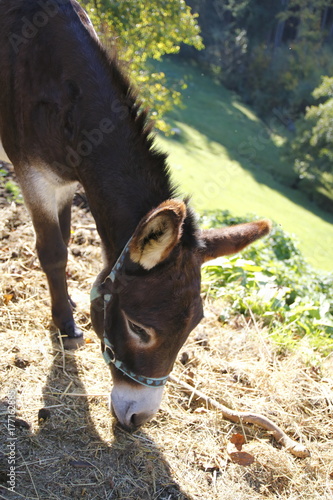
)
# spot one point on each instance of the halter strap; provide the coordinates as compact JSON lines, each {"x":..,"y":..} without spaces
{"x":109,"y":357}
{"x":108,"y":353}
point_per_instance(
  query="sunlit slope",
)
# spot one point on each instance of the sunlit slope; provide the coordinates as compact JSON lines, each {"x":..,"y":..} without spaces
{"x":227,"y":158}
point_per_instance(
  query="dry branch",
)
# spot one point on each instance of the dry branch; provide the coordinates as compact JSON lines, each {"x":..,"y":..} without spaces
{"x":281,"y":437}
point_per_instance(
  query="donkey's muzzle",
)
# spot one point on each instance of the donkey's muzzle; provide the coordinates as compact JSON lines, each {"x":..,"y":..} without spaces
{"x":134,"y":422}
{"x":134,"y":406}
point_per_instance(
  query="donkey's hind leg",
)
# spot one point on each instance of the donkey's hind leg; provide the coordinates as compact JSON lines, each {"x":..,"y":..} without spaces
{"x":49,"y":205}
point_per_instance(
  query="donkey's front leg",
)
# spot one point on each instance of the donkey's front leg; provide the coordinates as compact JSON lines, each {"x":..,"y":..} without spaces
{"x":49,"y":205}
{"x":52,"y":253}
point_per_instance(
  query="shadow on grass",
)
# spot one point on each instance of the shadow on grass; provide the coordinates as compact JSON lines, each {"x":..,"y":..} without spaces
{"x":68,"y":458}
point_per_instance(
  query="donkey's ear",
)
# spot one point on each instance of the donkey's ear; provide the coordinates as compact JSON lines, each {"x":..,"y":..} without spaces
{"x":157,"y":234}
{"x":229,"y":240}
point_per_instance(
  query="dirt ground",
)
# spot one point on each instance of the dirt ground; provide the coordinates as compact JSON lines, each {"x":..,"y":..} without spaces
{"x":73,"y":449}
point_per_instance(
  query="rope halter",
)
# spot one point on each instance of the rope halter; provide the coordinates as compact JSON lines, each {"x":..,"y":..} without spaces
{"x":109,"y":352}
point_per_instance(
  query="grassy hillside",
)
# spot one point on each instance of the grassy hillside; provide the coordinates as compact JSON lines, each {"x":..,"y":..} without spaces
{"x":229,"y":159}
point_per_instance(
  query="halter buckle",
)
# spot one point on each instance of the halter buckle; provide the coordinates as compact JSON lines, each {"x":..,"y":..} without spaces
{"x":108,"y":354}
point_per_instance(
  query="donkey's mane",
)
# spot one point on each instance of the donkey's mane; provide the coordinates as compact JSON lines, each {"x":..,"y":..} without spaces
{"x":144,"y":130}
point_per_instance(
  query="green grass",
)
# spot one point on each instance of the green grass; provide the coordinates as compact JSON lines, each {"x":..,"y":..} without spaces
{"x":229,"y":159}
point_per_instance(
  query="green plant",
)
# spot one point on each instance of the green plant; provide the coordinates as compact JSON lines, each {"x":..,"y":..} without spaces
{"x":12,"y":189}
{"x":143,"y":31}
{"x":272,"y":281}
{"x":311,"y":149}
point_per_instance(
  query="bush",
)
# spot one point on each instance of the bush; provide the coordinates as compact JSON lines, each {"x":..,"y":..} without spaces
{"x":311,"y":149}
{"x":271,"y":280}
{"x":284,"y":78}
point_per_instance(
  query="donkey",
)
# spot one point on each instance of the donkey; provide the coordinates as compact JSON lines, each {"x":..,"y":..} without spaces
{"x":69,"y":115}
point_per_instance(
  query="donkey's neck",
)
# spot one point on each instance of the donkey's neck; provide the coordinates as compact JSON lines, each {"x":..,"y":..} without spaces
{"x":123,"y":175}
{"x":124,"y":180}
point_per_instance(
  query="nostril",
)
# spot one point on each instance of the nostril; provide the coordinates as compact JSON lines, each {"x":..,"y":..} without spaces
{"x":133,"y":420}
{"x":138,"y":419}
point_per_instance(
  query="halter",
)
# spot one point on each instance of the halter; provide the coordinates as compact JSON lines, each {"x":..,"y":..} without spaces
{"x":109,"y":354}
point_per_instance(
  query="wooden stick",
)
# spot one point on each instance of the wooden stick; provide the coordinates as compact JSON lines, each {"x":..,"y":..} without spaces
{"x":295,"y":448}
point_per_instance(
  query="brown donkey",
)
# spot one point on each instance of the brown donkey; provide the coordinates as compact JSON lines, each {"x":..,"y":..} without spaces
{"x":68,"y":114}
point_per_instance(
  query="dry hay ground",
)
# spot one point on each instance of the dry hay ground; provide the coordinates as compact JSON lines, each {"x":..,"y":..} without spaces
{"x":79,"y":453}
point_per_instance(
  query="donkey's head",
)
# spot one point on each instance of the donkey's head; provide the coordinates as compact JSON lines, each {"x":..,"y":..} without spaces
{"x":153,"y":303}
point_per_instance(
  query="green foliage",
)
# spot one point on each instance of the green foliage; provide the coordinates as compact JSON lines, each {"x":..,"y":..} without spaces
{"x":271,"y":79}
{"x":285,"y":79}
{"x":142,"y":31}
{"x":311,"y":150}
{"x":273,"y":53}
{"x":272,"y":281}
{"x":12,"y":190}
{"x":308,"y":18}
{"x":322,"y":131}
{"x":225,"y":38}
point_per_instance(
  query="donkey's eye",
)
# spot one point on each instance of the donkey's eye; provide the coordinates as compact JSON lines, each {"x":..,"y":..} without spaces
{"x":139,"y":331}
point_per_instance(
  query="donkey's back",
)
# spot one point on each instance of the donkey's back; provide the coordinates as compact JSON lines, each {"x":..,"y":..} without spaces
{"x":45,"y":45}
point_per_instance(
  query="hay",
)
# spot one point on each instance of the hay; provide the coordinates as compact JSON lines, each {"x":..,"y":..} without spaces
{"x":77,"y":452}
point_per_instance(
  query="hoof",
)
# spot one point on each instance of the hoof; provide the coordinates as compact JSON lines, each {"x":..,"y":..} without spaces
{"x":71,"y":330}
{"x":71,"y":344}
{"x":72,"y":336}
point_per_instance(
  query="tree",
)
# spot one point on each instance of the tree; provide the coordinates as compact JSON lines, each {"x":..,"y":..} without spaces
{"x":142,"y":31}
{"x":313,"y":144}
{"x":312,"y":148}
